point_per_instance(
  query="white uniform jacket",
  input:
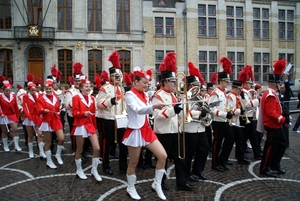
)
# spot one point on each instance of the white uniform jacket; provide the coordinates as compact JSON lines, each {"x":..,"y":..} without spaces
{"x":165,"y":120}
{"x":248,"y":103}
{"x":137,"y":110}
{"x":105,"y":109}
{"x":69,"y":94}
{"x":218,"y":112}
{"x":234,"y":100}
{"x":192,"y":126}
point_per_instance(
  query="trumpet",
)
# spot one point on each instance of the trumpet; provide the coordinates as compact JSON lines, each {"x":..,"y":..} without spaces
{"x":244,"y":116}
{"x":229,"y":108}
{"x":202,"y":104}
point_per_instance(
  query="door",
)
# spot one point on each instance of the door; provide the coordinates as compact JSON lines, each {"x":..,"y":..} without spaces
{"x":36,"y":62}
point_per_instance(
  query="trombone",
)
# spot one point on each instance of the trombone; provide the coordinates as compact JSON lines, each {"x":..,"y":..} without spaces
{"x":244,"y":116}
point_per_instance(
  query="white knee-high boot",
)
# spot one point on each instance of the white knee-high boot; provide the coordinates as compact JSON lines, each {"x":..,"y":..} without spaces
{"x":58,"y":154}
{"x":16,"y":141}
{"x":130,"y":188}
{"x":79,"y":171}
{"x":41,"y":148}
{"x":5,"y":145}
{"x":94,"y":170}
{"x":156,"y":185}
{"x":50,"y":163}
{"x":30,"y":148}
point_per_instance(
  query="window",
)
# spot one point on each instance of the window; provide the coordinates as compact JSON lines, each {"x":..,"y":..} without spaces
{"x":5,"y":14}
{"x":95,"y":63}
{"x":95,"y":15}
{"x":35,"y":12}
{"x":159,"y":57}
{"x":164,"y":26}
{"x":6,"y":63}
{"x":207,"y":22}
{"x":125,"y":60}
{"x":286,"y":25}
{"x":64,"y":13}
{"x":289,"y":59}
{"x":237,"y":59}
{"x":261,"y":67}
{"x":65,"y":64}
{"x":207,"y":64}
{"x":123,"y":16}
{"x":260,"y":23}
{"x":235,"y":22}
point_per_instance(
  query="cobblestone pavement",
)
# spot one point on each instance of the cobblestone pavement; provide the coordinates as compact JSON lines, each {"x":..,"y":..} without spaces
{"x":22,"y":178}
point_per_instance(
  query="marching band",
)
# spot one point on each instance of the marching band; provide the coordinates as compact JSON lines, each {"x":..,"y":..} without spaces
{"x":189,"y":120}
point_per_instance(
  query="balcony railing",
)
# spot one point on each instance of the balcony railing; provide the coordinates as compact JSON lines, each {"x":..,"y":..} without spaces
{"x":44,"y":33}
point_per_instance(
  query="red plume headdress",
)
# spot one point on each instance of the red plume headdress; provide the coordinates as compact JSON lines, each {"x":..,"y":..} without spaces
{"x":114,"y":58}
{"x":104,"y":75}
{"x":194,"y":71}
{"x":127,"y":79}
{"x":214,"y":78}
{"x":245,"y":74}
{"x":279,"y":67}
{"x":170,"y":62}
{"x":226,"y":64}
{"x":149,"y":72}
{"x":97,"y":80}
{"x":54,"y":71}
{"x":30,"y":77}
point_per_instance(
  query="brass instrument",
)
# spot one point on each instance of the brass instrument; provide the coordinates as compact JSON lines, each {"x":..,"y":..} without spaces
{"x":254,"y":97}
{"x":244,"y":116}
{"x":229,"y":108}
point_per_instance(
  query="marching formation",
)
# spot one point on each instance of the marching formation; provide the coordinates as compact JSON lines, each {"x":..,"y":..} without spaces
{"x":183,"y":120}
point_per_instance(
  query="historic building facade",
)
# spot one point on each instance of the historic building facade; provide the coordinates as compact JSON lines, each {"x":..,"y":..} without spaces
{"x":35,"y":34}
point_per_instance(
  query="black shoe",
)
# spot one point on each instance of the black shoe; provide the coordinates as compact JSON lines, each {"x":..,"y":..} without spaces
{"x":114,"y":156}
{"x":108,"y":171}
{"x":248,"y":151}
{"x":84,"y":156}
{"x":224,"y":166}
{"x":217,"y":168}
{"x":164,"y":186}
{"x":268,"y":173}
{"x":192,"y":178}
{"x":258,"y":157}
{"x":185,"y":187}
{"x":228,"y":162}
{"x":201,"y":176}
{"x":278,"y":170}
{"x":244,"y":161}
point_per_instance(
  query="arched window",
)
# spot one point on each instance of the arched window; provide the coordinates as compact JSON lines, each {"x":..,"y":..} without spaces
{"x":6,"y":63}
{"x":95,"y":63}
{"x":125,"y":60}
{"x":65,"y":64}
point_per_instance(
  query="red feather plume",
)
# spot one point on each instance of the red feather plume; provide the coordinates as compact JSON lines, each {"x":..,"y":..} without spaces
{"x":245,"y":74}
{"x":30,"y":77}
{"x":2,"y":78}
{"x":70,"y":79}
{"x":10,"y":81}
{"x":39,"y":80}
{"x":149,"y":72}
{"x":127,"y":79}
{"x":19,"y":86}
{"x":114,"y":58}
{"x":104,"y":75}
{"x":58,"y":78}
{"x":214,"y":78}
{"x":97,"y":80}
{"x":170,"y":62}
{"x":54,"y":71}
{"x":77,"y":68}
{"x":131,"y":75}
{"x":279,"y":67}
{"x":194,"y":71}
{"x":162,"y":67}
{"x":250,"y":72}
{"x":226,"y":64}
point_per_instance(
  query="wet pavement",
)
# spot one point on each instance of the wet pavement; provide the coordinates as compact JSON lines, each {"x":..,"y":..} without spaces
{"x":22,"y":178}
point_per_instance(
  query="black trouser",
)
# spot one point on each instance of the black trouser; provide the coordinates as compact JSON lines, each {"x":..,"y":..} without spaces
{"x":249,"y":132}
{"x":107,"y":132}
{"x":239,"y":143}
{"x":208,"y":132}
{"x":123,"y":151}
{"x":170,"y":143}
{"x":274,"y":148}
{"x":221,"y":131}
{"x":73,"y":138}
{"x":197,"y":144}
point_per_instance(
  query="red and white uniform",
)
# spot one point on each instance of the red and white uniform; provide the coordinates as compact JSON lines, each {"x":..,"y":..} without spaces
{"x":31,"y":116}
{"x":234,"y":101}
{"x":271,"y":110}
{"x":83,"y":126}
{"x":165,"y":120}
{"x":9,"y":107}
{"x":218,"y":112}
{"x":67,"y":100}
{"x":249,"y":103}
{"x":138,"y":132}
{"x":51,"y":120}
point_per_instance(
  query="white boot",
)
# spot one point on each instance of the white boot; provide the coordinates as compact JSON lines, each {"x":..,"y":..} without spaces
{"x":94,"y":170}
{"x":58,"y":154}
{"x":156,"y":185}
{"x":130,"y":188}
{"x":41,"y":148}
{"x":50,"y":163}
{"x":16,"y":141}
{"x":30,"y":147}
{"x":5,"y":145}
{"x":79,"y":171}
